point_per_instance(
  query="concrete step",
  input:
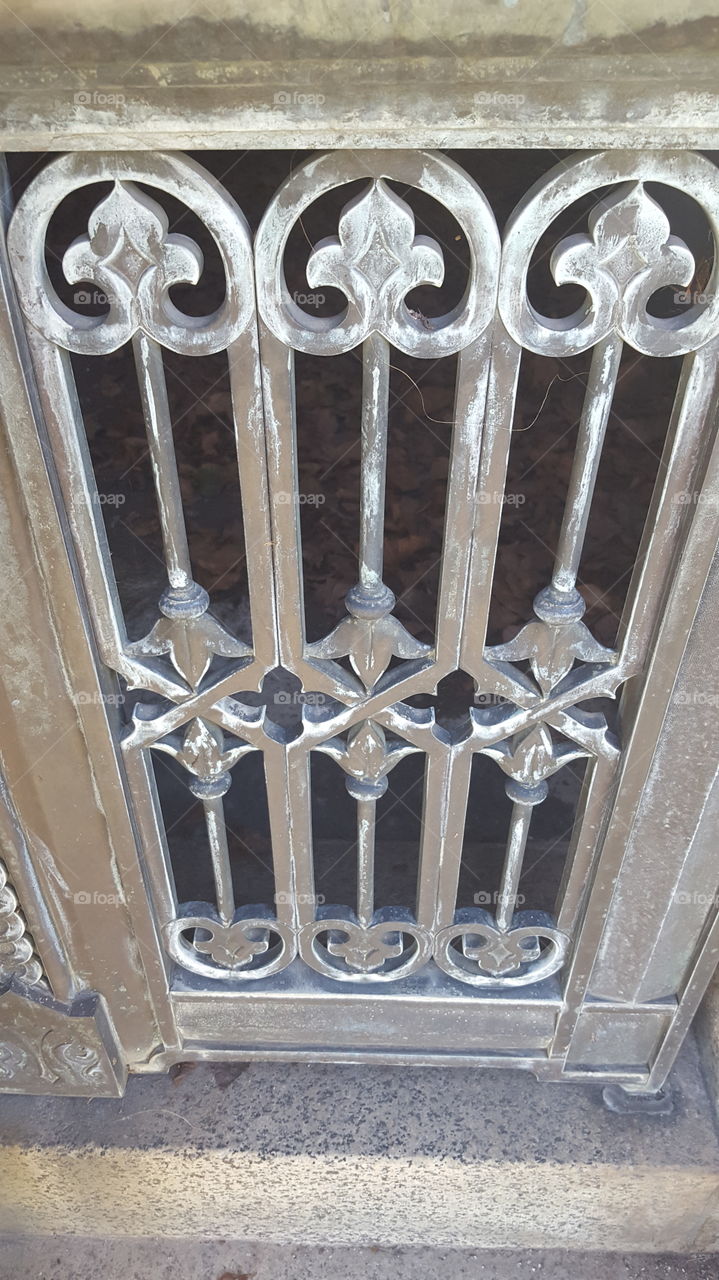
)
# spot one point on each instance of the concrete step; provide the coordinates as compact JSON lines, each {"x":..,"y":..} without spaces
{"x":317,"y":1155}
{"x":53,"y":1258}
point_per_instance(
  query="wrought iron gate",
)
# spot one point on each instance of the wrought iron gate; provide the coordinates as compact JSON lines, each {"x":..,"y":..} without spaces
{"x":608,"y":982}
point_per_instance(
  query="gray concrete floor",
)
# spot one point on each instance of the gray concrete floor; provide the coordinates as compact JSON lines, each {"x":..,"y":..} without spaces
{"x":63,"y":1258}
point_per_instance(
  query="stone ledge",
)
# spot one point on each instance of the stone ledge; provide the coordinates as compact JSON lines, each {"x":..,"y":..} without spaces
{"x":569,"y":107}
{"x":87,"y":1259}
{"x":327,"y":1155}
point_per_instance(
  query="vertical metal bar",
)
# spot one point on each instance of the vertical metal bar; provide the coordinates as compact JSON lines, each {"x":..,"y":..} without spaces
{"x":37,"y":391}
{"x":150,"y":825}
{"x":596,"y":409}
{"x":220,"y":855}
{"x":472,"y":380}
{"x":695,"y":405}
{"x":156,"y":410}
{"x":512,"y":869}
{"x":366,"y":826}
{"x":501,"y":395}
{"x":251,"y":446}
{"x":287,"y":771}
{"x":592,"y":815}
{"x":698,"y":407}
{"x":278,"y":386}
{"x":375,"y":401}
{"x":63,"y":416}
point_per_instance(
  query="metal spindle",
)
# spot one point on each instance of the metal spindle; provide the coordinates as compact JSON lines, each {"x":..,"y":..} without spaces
{"x":524,"y":799}
{"x":366,"y":791}
{"x":366,"y":823}
{"x":596,"y":409}
{"x":211,"y":793}
{"x":156,"y":410}
{"x":512,"y":869}
{"x":375,"y":405}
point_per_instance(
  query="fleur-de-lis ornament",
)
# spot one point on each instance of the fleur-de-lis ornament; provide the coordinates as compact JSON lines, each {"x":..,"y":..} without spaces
{"x":377,"y":259}
{"x":370,"y":642}
{"x":130,"y":255}
{"x":628,"y":255}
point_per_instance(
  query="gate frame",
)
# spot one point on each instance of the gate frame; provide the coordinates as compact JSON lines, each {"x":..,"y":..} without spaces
{"x":47,"y":647}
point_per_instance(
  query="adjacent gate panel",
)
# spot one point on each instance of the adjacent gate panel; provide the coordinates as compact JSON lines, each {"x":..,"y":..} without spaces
{"x":433,"y":976}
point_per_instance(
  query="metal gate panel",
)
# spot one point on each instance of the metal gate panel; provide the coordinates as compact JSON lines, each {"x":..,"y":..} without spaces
{"x":364,"y":722}
{"x":432,"y":980}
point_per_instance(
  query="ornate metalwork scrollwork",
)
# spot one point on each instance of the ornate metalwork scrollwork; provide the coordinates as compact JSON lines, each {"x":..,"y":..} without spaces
{"x":539,"y":724}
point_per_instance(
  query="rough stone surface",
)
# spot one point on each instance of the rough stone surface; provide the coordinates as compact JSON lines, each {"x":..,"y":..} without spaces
{"x":323,"y":1155}
{"x":378,"y":23}
{"x":54,"y":1258}
{"x":330,"y":73}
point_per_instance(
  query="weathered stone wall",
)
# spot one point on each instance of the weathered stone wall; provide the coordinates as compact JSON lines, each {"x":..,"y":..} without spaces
{"x":386,"y":25}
